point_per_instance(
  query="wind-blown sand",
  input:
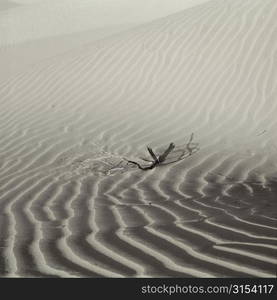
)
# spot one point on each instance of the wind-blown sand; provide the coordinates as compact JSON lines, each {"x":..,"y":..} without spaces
{"x":71,"y":206}
{"x":36,"y":30}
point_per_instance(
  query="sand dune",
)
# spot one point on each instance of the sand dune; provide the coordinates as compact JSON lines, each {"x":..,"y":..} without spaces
{"x":35,"y":30}
{"x":70,"y":204}
{"x":37,"y":19}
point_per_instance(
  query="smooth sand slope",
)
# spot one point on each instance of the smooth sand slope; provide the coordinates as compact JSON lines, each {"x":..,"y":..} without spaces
{"x":70,"y":205}
{"x":35,"y":30}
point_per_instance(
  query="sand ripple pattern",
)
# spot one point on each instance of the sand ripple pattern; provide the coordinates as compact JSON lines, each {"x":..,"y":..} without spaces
{"x":69,"y":207}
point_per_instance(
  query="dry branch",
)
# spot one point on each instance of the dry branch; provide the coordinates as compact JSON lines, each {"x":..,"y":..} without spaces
{"x":189,"y":150}
{"x":156,"y":160}
{"x":153,"y":155}
{"x":166,"y":152}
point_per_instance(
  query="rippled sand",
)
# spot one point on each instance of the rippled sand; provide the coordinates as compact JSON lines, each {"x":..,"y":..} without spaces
{"x":71,"y":206}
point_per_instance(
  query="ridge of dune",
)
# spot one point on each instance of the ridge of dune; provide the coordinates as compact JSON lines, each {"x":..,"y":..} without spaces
{"x":72,"y":207}
{"x":32,"y":31}
{"x":7,"y":5}
{"x":44,"y":19}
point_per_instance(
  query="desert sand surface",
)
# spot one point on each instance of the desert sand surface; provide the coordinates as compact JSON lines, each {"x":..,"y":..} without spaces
{"x":35,"y":30}
{"x":204,"y":78}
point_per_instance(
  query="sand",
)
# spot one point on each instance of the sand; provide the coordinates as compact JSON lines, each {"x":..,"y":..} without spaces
{"x":204,"y":78}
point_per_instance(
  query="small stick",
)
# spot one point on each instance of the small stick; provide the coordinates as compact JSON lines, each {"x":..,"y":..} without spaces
{"x":161,"y":158}
{"x":188,"y":144}
{"x":166,"y":152}
{"x":153,"y":155}
{"x":143,"y":168}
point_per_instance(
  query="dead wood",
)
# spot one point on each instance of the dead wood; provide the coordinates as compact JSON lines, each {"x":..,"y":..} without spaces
{"x":153,"y":155}
{"x":156,"y":160}
{"x":188,"y":151}
{"x":166,"y":152}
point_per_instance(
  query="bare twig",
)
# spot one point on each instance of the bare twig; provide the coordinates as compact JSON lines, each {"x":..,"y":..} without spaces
{"x":153,"y":155}
{"x":143,"y":168}
{"x":156,"y":160}
{"x":166,"y":152}
{"x":190,"y":149}
{"x":191,"y":146}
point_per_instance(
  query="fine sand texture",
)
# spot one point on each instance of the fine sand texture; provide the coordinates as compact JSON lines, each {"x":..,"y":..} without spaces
{"x":71,"y":205}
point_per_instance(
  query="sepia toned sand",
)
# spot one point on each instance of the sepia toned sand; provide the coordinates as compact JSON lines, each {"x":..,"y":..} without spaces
{"x":204,"y":78}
